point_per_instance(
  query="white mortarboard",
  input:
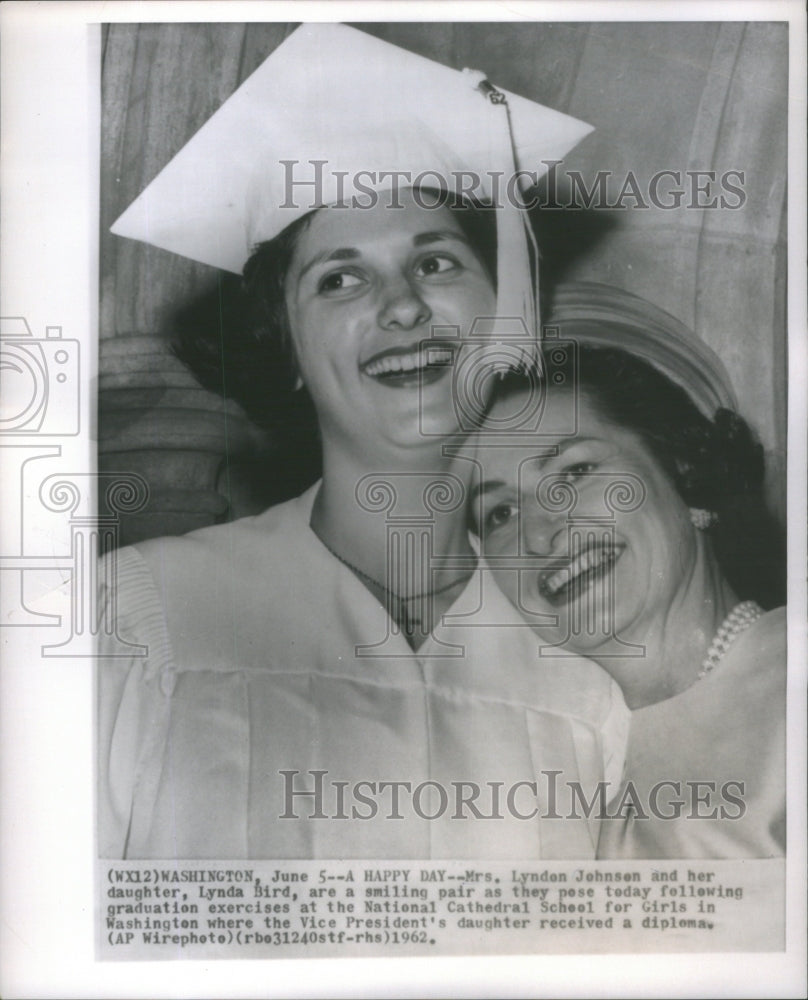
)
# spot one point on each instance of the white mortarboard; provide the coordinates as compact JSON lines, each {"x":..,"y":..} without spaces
{"x":327,"y":109}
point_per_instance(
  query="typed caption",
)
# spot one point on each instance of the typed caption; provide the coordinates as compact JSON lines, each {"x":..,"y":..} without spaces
{"x":275,"y":909}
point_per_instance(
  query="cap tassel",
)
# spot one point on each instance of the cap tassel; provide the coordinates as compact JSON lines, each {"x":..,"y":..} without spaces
{"x":517,"y":250}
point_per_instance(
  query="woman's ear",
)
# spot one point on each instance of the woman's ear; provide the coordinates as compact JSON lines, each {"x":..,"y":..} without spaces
{"x":292,"y":373}
{"x":293,"y":366}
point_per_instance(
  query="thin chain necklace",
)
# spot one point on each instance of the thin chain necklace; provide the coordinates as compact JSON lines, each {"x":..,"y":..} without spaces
{"x":396,"y":605}
{"x":737,"y":621}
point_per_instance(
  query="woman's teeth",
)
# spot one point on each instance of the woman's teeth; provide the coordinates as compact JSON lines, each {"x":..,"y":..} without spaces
{"x":589,"y":561}
{"x":418,"y":360}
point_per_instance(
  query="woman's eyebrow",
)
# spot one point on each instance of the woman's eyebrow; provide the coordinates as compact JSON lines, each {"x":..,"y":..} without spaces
{"x":352,"y":253}
{"x":487,"y":486}
{"x":438,"y":236}
{"x":569,"y":442}
{"x":340,"y":253}
{"x":553,"y":451}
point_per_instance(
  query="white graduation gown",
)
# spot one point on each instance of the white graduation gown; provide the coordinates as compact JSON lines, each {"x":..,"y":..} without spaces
{"x":252,"y":669}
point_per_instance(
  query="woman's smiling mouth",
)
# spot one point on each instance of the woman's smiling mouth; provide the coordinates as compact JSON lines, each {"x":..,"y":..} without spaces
{"x":566,"y":581}
{"x":419,"y":364}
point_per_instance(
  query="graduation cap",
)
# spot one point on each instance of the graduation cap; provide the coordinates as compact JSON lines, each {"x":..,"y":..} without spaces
{"x":333,"y":113}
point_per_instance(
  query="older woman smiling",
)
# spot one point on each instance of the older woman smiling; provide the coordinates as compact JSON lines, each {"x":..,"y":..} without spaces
{"x":639,"y":538}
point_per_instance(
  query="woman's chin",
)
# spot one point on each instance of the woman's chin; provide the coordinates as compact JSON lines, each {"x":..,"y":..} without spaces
{"x":586,"y":628}
{"x":599,"y":648}
{"x":430,"y":424}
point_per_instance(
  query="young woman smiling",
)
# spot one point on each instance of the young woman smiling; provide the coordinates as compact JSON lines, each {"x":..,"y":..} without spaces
{"x":333,"y":643}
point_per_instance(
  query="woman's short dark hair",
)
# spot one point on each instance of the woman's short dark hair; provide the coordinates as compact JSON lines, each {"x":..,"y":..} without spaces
{"x":715,"y":465}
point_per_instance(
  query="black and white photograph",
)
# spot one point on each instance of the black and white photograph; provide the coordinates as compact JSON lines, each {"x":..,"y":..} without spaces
{"x":409,"y":491}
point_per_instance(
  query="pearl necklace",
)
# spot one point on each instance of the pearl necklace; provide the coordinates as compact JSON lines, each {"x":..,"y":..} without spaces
{"x":737,"y":621}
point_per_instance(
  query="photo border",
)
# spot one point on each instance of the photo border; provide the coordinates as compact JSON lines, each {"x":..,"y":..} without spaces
{"x":51,"y":63}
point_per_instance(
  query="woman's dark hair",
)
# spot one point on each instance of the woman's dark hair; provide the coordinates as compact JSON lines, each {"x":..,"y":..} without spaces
{"x":238,"y":342}
{"x":716,"y":465}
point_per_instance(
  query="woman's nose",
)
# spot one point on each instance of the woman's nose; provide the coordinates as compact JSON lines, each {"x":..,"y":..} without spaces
{"x":542,"y":532}
{"x":402,"y":307}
